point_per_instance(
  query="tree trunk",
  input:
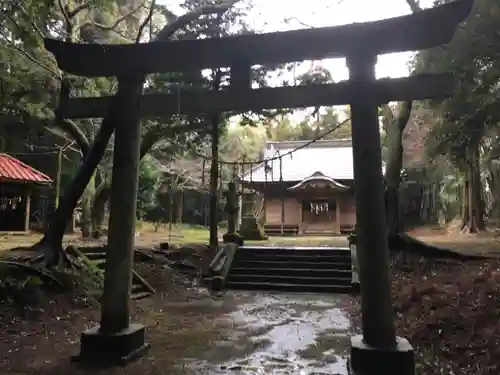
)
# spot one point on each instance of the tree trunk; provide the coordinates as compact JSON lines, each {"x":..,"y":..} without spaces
{"x":87,"y":198}
{"x":99,"y":209}
{"x":394,"y":131}
{"x":494,"y":185}
{"x":473,"y":219}
{"x":214,"y":180}
{"x":180,"y":208}
{"x":51,"y":243}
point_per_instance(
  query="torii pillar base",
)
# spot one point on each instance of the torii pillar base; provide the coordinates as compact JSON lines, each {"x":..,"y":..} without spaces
{"x":98,"y":348}
{"x":367,"y":360}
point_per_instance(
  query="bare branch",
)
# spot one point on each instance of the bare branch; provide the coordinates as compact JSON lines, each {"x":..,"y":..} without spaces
{"x":79,"y":9}
{"x":414,"y":5}
{"x":288,"y":20}
{"x":28,"y":56}
{"x":63,"y":8}
{"x":30,"y":20}
{"x":117,"y":22}
{"x":76,"y":133}
{"x":192,"y":16}
{"x":146,"y":21}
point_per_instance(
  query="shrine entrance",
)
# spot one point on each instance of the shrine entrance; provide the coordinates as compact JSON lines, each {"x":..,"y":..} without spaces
{"x":319,"y":215}
{"x":322,"y":200}
{"x":378,"y":350}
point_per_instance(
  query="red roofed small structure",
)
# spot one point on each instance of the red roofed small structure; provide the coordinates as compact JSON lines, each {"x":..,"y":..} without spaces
{"x":18,"y":182}
{"x":13,"y":169}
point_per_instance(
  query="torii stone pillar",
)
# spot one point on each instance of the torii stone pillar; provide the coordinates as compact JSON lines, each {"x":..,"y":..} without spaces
{"x":377,"y":350}
{"x":116,"y":339}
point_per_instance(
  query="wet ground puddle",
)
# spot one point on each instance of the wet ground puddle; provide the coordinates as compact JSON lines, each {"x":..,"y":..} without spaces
{"x":281,"y":334}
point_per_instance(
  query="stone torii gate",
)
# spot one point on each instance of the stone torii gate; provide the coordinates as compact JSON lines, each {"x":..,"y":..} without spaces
{"x":378,"y":350}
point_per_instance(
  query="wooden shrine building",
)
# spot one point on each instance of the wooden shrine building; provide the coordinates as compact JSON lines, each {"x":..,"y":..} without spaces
{"x":18,"y":183}
{"x":307,"y":187}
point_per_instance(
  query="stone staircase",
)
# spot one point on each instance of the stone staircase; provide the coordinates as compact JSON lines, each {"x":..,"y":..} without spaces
{"x":140,"y":287}
{"x":292,"y":269}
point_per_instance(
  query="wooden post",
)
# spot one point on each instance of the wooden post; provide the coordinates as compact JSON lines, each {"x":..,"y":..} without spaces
{"x":115,"y":312}
{"x":180,"y":207}
{"x":27,"y":212}
{"x":214,"y":179}
{"x":282,"y":196}
{"x":58,"y":176}
{"x":372,"y":247}
{"x":337,"y":212}
{"x":301,"y":215}
{"x":170,"y":212}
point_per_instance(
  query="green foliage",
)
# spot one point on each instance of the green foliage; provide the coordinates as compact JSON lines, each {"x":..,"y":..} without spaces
{"x":472,"y":55}
{"x":150,"y":180}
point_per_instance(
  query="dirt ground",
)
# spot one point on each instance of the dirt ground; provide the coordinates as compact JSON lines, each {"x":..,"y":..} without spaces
{"x":41,"y":339}
{"x":484,"y":243}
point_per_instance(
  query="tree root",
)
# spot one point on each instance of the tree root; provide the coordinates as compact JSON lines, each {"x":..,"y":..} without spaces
{"x":18,"y":269}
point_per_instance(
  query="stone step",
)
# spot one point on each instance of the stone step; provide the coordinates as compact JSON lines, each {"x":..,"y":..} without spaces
{"x":284,"y":279}
{"x":333,"y":258}
{"x":295,"y":251}
{"x":298,"y":288}
{"x":292,"y":269}
{"x":284,"y":263}
{"x":297,"y":272}
{"x":139,"y":289}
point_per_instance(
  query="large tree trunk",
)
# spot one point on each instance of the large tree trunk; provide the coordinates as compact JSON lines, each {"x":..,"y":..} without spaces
{"x":394,"y":130}
{"x":473,"y":213}
{"x":494,"y":185}
{"x":180,"y":206}
{"x":86,"y":204}
{"x":51,"y":243}
{"x":99,"y":209}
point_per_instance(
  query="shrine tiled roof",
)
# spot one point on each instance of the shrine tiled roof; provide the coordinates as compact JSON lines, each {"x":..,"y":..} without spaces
{"x":332,"y":158}
{"x":12,"y":169}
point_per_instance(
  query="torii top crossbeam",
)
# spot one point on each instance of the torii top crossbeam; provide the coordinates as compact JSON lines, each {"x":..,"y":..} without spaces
{"x":428,"y":28}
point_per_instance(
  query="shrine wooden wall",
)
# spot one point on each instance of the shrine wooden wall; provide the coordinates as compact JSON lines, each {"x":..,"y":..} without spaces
{"x":346,"y":205}
{"x":293,"y":211}
{"x":347,"y":212}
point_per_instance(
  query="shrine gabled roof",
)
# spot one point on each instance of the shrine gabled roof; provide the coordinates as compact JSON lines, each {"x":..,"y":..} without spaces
{"x":318,"y":178}
{"x":12,"y":169}
{"x":300,"y":159}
